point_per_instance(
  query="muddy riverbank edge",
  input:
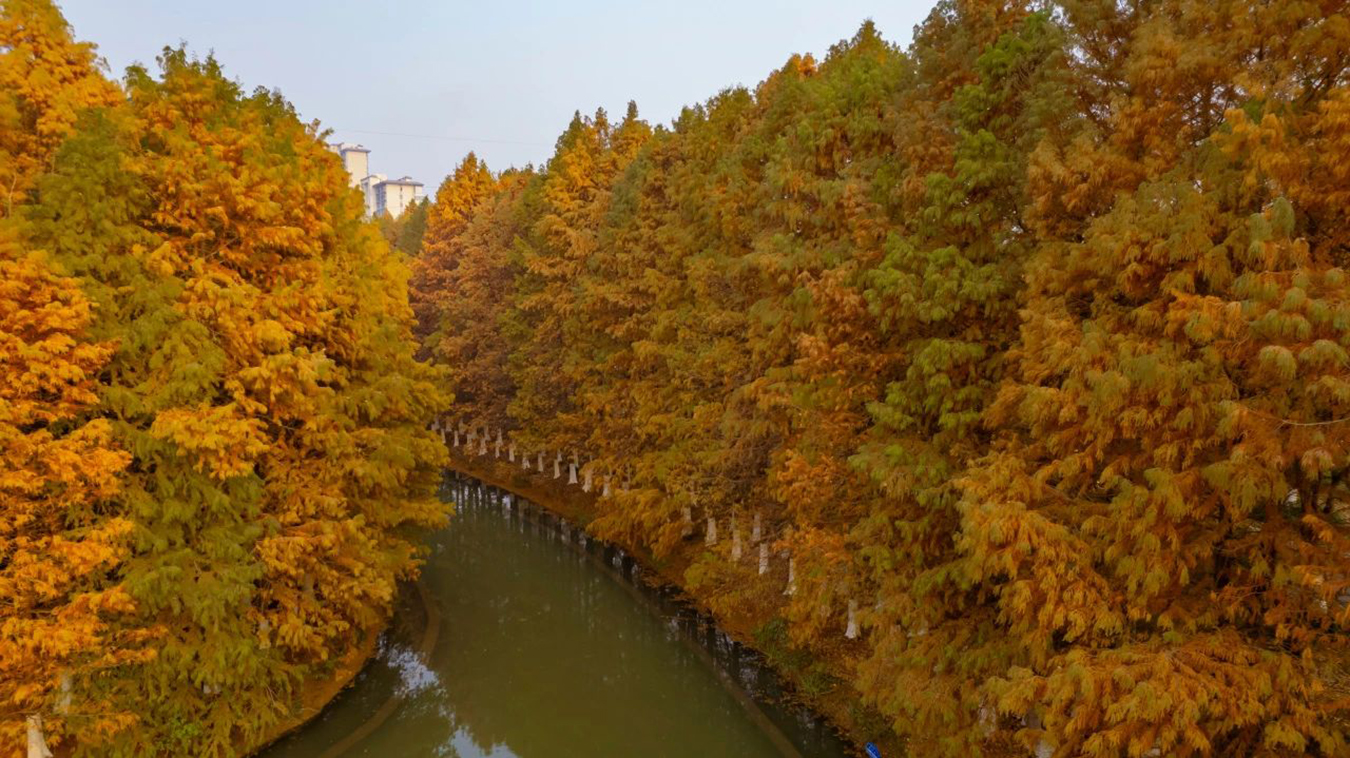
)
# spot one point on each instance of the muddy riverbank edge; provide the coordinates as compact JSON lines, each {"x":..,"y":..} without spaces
{"x":840,"y":706}
{"x":316,"y":694}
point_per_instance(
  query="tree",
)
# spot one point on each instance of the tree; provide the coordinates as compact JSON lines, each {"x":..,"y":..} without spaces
{"x":437,"y":256}
{"x":1163,"y":526}
{"x":264,"y":384}
{"x":572,"y":197}
{"x":477,"y":293}
{"x":409,"y":241}
{"x":46,"y":80}
{"x":404,"y":233}
{"x":60,"y":543}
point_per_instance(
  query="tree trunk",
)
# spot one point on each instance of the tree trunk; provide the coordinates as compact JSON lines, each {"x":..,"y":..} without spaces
{"x":37,"y":744}
{"x":63,"y":700}
{"x":735,"y":541}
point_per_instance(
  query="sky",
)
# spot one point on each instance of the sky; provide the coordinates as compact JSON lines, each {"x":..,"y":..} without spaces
{"x":420,"y":82}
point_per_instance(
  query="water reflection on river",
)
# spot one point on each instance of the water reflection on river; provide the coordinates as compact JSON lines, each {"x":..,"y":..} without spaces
{"x":547,"y":647}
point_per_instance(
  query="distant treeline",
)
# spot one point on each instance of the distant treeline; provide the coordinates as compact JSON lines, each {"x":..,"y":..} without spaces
{"x":1028,"y":343}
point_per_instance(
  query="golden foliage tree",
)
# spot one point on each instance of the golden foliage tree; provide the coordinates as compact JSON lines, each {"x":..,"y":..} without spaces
{"x":254,"y":359}
{"x":46,"y":80}
{"x":1164,"y":527}
{"x":478,"y":291}
{"x":60,"y":542}
{"x":439,"y":255}
{"x":1027,"y":344}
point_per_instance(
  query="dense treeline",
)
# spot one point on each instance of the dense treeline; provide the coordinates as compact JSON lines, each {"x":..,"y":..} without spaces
{"x":213,"y":453}
{"x":1027,"y":347}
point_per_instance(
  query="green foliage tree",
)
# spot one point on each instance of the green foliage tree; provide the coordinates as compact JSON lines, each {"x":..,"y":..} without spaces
{"x":409,"y":241}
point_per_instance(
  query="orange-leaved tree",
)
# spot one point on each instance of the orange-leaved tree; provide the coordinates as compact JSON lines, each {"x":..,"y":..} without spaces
{"x":440,"y":254}
{"x":1163,"y":525}
{"x":264,"y":384}
{"x":63,"y":606}
{"x":46,"y":80}
{"x":61,"y":542}
{"x":477,"y":293}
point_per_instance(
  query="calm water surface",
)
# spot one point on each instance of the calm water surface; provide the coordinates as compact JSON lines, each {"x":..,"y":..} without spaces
{"x":549,"y":645}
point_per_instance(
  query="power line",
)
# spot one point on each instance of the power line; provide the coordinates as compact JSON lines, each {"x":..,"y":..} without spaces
{"x":445,"y":138}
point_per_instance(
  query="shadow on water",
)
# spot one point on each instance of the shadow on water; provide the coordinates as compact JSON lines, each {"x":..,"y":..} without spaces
{"x":546,"y":643}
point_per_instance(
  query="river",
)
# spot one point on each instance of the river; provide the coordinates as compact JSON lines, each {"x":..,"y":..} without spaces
{"x":525,"y":639}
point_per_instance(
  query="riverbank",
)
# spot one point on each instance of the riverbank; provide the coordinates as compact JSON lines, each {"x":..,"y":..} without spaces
{"x":316,"y":695}
{"x":313,"y":705}
{"x":841,"y":704}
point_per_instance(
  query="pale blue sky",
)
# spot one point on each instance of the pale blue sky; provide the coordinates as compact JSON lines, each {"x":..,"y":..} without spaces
{"x":505,"y":77}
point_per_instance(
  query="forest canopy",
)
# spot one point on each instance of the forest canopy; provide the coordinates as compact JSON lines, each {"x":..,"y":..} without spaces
{"x":1026,"y":346}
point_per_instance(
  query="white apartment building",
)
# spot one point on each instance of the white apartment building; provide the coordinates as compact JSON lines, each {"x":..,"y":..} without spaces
{"x":382,"y":195}
{"x":355,"y":158}
{"x":367,"y":184}
{"x":395,"y":195}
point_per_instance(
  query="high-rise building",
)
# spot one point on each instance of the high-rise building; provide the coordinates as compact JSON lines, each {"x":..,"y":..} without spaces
{"x":395,"y":195}
{"x":382,"y":194}
{"x":355,"y":158}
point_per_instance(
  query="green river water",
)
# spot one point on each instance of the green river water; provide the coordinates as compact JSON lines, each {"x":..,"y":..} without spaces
{"x":526,"y":639}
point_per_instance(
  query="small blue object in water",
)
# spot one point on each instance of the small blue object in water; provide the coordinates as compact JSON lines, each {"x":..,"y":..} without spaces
{"x":873,"y":751}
